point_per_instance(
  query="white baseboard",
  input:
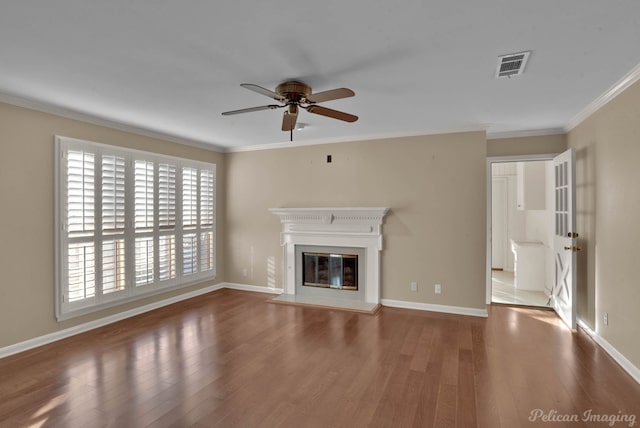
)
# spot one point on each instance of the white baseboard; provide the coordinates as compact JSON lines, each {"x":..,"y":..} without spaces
{"x":627,"y":365}
{"x":633,"y":371}
{"x":254,"y":288}
{"x":81,"y":328}
{"x":457,"y":310}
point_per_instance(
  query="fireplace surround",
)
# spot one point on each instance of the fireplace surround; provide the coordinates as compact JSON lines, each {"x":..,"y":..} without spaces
{"x":331,"y":228}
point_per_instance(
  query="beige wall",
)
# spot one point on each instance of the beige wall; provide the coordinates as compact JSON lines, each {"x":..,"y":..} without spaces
{"x":434,"y":185}
{"x":542,"y":145}
{"x":608,"y":152}
{"x":26,"y":216}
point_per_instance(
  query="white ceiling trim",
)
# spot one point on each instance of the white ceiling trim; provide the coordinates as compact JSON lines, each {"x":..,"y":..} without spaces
{"x":629,"y":79}
{"x":625,"y":82}
{"x":95,"y":120}
{"x":528,"y":133}
{"x":318,"y":142}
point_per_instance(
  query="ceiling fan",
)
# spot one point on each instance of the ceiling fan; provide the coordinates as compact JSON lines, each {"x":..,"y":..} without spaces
{"x":294,"y":95}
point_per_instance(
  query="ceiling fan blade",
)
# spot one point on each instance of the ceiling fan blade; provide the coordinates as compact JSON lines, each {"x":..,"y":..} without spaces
{"x":263,"y":91}
{"x":250,"y":109}
{"x":289,"y":118}
{"x":333,"y":94}
{"x":323,"y":111}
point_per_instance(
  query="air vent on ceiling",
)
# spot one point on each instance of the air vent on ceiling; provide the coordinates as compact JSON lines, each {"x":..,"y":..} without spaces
{"x":512,"y":64}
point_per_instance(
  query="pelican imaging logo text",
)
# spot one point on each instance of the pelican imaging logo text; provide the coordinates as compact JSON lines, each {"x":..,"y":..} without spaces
{"x":553,"y":416}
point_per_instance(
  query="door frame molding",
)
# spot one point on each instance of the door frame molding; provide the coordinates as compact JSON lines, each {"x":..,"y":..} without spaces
{"x":490,"y":161}
{"x":505,"y":225}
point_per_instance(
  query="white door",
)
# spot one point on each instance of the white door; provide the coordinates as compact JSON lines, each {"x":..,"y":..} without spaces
{"x":563,"y":295}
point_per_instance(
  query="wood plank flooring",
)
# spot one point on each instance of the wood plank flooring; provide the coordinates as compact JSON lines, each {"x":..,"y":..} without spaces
{"x":229,"y":359}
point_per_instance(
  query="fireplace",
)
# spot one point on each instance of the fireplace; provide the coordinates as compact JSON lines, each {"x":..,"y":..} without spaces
{"x":331,"y":253}
{"x":327,"y":270}
{"x":330,"y":272}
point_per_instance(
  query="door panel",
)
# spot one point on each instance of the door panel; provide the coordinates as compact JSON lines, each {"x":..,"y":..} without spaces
{"x":563,"y":295}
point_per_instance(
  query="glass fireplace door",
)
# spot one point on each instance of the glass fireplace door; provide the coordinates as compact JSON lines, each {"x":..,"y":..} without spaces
{"x":325,"y":270}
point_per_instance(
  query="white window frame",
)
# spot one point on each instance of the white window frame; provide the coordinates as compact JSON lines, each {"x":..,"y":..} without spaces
{"x":66,"y":309}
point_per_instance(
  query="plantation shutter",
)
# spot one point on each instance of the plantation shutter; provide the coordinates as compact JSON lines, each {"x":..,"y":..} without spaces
{"x":207,"y":216}
{"x":189,"y":220}
{"x":143,"y":220}
{"x":113,"y":224}
{"x":80,"y":215}
{"x":167,"y":221}
{"x":129,"y":223}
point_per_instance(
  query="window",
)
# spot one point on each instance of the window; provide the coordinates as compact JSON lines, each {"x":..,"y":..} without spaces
{"x":130,"y":223}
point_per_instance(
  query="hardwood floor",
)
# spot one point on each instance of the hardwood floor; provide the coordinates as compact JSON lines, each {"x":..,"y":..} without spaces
{"x":229,"y":359}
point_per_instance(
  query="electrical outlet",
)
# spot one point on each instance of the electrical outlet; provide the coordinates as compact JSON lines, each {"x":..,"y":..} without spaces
{"x":606,"y":318}
{"x":438,"y":289}
{"x":244,"y":272}
{"x":414,"y":286}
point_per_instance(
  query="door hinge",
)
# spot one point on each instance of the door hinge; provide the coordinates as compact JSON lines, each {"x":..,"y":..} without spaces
{"x":572,"y":235}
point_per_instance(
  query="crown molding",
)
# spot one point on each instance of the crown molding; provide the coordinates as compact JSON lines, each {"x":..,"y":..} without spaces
{"x":67,"y":113}
{"x":525,"y":133}
{"x":625,"y":82}
{"x":41,"y":106}
{"x":318,"y":142}
{"x":629,"y":79}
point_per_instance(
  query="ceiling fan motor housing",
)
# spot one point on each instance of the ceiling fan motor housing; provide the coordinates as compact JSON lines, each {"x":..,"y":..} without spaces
{"x":294,"y":91}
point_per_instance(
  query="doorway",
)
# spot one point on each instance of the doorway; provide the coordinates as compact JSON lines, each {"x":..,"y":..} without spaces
{"x":521,"y":270}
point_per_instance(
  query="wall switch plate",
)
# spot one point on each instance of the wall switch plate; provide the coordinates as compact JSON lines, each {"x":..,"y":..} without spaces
{"x":414,"y":286}
{"x":605,"y":318}
{"x":438,"y":289}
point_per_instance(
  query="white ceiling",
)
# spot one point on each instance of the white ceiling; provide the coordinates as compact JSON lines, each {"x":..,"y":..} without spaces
{"x":171,"y":67}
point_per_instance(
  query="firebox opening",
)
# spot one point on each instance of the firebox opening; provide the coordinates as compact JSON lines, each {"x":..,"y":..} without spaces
{"x":326,"y":270}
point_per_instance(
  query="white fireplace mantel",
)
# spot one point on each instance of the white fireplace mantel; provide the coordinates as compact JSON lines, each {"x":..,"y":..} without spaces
{"x":337,"y":227}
